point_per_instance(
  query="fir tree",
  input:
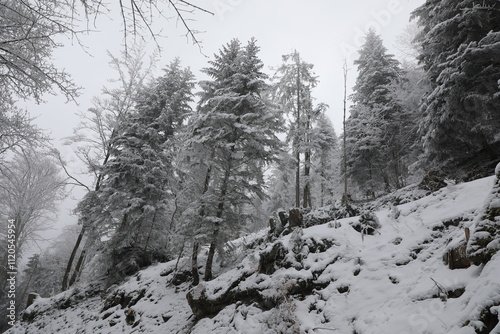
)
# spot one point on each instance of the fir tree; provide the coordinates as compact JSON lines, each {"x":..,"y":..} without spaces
{"x":325,"y":160}
{"x":369,"y":128}
{"x":237,"y":125}
{"x":460,"y":47}
{"x":294,"y":81}
{"x":136,"y":195}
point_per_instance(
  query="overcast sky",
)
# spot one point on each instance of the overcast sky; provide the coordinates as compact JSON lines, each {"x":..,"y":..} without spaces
{"x":325,"y":32}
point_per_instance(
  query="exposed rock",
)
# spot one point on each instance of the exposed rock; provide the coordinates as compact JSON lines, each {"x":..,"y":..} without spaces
{"x":272,"y":225}
{"x":295,"y":218}
{"x":433,"y":181}
{"x":456,"y":258}
{"x":208,"y":304}
{"x":123,"y":299}
{"x":283,"y":218}
{"x":181,"y":277}
{"x":129,"y":316}
{"x":489,"y":319}
{"x":203,"y":306}
{"x":269,"y":262}
{"x":368,"y":223}
{"x":129,"y":260}
{"x":31,"y":298}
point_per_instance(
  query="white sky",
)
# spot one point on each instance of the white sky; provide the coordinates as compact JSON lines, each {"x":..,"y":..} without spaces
{"x":325,"y":32}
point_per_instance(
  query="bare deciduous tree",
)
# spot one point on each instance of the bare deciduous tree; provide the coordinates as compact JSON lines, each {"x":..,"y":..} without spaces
{"x":27,"y":38}
{"x":30,"y":31}
{"x":17,"y":130}
{"x":30,"y":186}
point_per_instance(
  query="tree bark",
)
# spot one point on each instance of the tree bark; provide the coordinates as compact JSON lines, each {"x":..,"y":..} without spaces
{"x":297,"y":141}
{"x":345,"y":198}
{"x":220,"y":211}
{"x":71,"y":259}
{"x":307,"y":164}
{"x":194,"y":263}
{"x":78,"y":268}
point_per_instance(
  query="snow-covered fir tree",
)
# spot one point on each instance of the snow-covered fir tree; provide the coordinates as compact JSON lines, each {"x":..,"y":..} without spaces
{"x":237,"y":125}
{"x":460,"y":47}
{"x":369,"y":129}
{"x":135,"y":199}
{"x":293,"y":84}
{"x":93,"y":140}
{"x":326,"y":163}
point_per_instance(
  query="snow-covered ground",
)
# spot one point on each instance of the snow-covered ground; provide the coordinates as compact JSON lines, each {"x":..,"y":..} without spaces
{"x":394,"y":281}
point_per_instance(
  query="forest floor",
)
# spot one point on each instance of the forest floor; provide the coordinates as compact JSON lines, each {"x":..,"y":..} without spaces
{"x":327,"y":278}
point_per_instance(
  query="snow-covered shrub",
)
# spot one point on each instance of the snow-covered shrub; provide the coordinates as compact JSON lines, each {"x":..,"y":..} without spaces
{"x":485,"y":240}
{"x":282,"y":318}
{"x":341,"y":210}
{"x":433,"y":181}
{"x":129,"y":260}
{"x":368,"y":223}
{"x":296,"y":242}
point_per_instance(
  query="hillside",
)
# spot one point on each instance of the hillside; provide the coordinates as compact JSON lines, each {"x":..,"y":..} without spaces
{"x":327,"y":278}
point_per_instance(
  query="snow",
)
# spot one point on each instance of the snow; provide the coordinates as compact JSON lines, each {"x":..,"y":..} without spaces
{"x":386,"y":283}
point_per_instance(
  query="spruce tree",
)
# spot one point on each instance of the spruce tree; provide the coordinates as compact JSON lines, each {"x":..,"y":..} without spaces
{"x":460,"y":46}
{"x":237,"y":125}
{"x":135,"y":199}
{"x":373,"y":117}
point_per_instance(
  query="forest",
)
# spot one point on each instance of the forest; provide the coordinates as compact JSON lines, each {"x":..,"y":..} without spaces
{"x":180,"y":166}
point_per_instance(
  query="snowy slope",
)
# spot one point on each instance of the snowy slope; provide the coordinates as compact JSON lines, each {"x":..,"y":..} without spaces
{"x":392,"y":282}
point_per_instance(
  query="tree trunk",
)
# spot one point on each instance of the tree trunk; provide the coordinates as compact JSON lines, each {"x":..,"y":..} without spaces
{"x":220,"y":211}
{"x":71,"y":259}
{"x":345,"y":198}
{"x":194,"y":263}
{"x":297,"y":140}
{"x":82,"y":231}
{"x":210,"y":257}
{"x":78,"y":269}
{"x":196,"y":245}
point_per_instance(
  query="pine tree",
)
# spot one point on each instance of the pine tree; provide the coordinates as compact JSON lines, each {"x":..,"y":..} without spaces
{"x":237,"y":125}
{"x":373,"y":116}
{"x":460,"y":47}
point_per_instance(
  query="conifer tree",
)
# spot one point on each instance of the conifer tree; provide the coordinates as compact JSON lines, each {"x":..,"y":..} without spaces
{"x":136,"y":196}
{"x":294,"y":80}
{"x":325,"y":160}
{"x":237,"y":125}
{"x":460,"y":46}
{"x":93,"y":138}
{"x":373,"y":115}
